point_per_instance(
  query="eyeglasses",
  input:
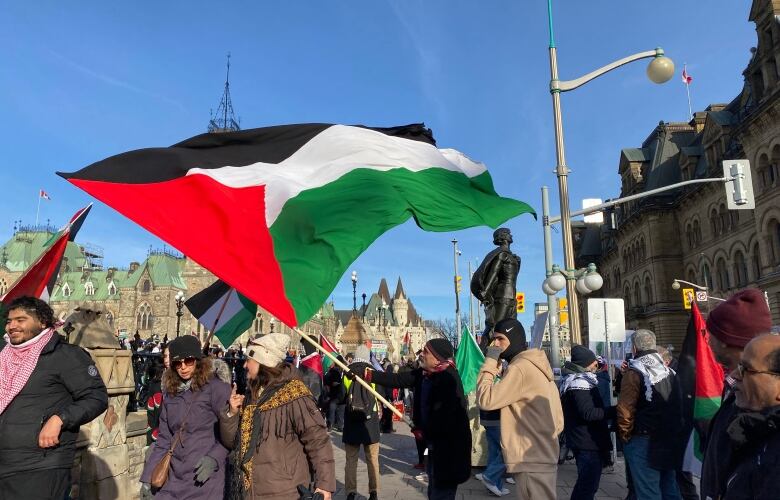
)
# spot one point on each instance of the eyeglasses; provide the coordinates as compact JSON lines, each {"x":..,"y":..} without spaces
{"x":742,"y":369}
{"x":186,"y":362}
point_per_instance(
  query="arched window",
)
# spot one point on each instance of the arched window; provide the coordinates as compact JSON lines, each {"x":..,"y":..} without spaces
{"x":723,"y":275}
{"x":112,"y":288}
{"x":734,"y":219}
{"x":642,"y":250}
{"x":714,"y":226}
{"x":637,"y":295}
{"x":146,"y":287}
{"x":3,"y":286}
{"x":756,"y":262}
{"x":723,"y":217}
{"x":66,"y":291}
{"x":257,"y":325}
{"x":705,"y":273}
{"x":696,"y":232}
{"x":740,"y":270}
{"x":627,"y":297}
{"x":689,"y":235}
{"x":144,"y":319}
{"x":691,"y":276}
{"x":648,"y":290}
{"x":110,"y":318}
{"x":767,"y":179}
{"x":89,"y":288}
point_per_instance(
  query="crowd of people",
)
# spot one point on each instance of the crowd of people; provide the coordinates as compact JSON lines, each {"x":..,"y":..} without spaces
{"x":250,"y":423}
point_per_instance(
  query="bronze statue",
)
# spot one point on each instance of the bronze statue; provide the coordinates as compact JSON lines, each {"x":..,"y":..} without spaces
{"x":495,"y":282}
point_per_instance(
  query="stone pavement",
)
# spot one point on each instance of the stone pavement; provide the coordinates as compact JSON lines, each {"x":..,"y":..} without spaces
{"x":398,"y":454}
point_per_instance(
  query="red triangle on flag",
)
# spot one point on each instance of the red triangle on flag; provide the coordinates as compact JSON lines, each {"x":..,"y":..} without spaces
{"x":313,"y":362}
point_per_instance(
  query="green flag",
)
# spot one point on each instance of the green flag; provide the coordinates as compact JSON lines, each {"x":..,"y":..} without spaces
{"x":468,"y":359}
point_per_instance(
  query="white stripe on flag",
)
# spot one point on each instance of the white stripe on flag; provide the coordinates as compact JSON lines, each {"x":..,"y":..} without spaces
{"x":233,"y":307}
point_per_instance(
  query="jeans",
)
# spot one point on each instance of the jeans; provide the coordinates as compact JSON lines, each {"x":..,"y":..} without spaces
{"x":336,"y":414}
{"x":649,"y":483}
{"x":589,"y":466}
{"x":495,"y":470}
{"x":438,"y":492}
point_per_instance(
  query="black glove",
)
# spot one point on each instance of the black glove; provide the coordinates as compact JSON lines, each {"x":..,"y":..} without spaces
{"x":306,"y":494}
{"x":205,"y":467}
{"x":493,"y":352}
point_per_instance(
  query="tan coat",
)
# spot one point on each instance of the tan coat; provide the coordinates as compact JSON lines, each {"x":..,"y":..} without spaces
{"x":292,"y":435}
{"x":531,"y":413}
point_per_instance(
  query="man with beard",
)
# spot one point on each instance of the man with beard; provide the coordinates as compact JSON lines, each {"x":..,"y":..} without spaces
{"x":531,"y":413}
{"x":48,"y":388}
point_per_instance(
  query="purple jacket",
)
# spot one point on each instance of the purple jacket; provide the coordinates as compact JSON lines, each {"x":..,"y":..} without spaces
{"x":199,"y":438}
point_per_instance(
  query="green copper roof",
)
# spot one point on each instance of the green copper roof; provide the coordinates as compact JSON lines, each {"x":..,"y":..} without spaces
{"x":18,"y":253}
{"x":77,"y":285}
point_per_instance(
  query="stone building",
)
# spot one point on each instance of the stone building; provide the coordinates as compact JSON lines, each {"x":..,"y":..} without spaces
{"x":386,"y":320}
{"x":140,"y":298}
{"x":689,"y":233}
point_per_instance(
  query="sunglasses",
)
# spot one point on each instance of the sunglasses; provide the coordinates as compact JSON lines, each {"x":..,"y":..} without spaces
{"x":186,"y":362}
{"x":742,"y":369}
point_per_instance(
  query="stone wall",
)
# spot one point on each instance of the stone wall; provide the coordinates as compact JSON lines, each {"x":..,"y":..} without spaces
{"x":137,"y":450}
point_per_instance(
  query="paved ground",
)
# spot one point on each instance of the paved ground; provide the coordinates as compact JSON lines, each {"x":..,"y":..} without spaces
{"x":398,"y":454}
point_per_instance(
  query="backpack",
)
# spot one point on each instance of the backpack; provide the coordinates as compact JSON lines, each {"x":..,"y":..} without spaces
{"x":360,"y":402}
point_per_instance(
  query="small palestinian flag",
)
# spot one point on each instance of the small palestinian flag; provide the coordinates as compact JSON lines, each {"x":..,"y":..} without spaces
{"x":39,"y":279}
{"x":312,"y":361}
{"x":223,"y":311}
{"x":279,"y":213}
{"x":325,"y":344}
{"x":701,"y":380}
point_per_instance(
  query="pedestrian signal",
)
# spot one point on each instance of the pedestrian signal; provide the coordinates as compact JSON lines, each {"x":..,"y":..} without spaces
{"x":520,"y":297}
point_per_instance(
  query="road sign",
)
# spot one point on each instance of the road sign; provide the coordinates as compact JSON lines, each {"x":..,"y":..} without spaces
{"x":520,"y":298}
{"x":687,"y":295}
{"x":739,"y":191}
{"x":606,"y":320}
{"x":701,"y":296}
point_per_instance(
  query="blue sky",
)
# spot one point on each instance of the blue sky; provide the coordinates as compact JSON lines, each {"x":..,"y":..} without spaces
{"x":85,"y":80}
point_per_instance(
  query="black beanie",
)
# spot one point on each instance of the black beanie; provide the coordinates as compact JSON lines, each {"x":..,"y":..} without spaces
{"x":514,"y":331}
{"x":186,"y":346}
{"x":441,"y":348}
{"x":582,"y":356}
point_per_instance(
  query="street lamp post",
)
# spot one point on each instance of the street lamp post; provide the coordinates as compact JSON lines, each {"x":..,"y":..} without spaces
{"x":179,"y":305}
{"x":354,"y":293}
{"x":660,"y":70}
{"x":455,"y":254}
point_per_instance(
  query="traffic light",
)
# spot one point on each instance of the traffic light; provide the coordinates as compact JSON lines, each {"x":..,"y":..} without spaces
{"x":458,"y":283}
{"x":563,"y":311}
{"x":520,"y":297}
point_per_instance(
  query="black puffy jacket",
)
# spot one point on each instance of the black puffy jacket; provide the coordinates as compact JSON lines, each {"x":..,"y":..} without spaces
{"x":754,"y":471}
{"x":66,"y":383}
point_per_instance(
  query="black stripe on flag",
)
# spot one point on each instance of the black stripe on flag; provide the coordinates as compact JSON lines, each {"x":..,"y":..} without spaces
{"x":199,"y":303}
{"x":235,"y":149}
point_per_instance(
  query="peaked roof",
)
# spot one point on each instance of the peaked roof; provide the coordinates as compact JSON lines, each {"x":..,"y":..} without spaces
{"x":384,"y":291}
{"x":19,"y":252}
{"x":399,"y":290}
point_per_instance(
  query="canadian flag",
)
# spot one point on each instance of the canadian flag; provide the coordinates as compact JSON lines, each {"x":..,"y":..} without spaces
{"x":686,"y":78}
{"x":44,"y":195}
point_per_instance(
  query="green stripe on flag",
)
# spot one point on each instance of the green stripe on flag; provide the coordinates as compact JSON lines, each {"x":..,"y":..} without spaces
{"x":468,"y":360}
{"x":320,"y":232}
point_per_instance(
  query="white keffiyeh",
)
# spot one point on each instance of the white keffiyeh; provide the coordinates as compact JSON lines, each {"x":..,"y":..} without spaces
{"x":653,"y":370}
{"x":579,"y":382}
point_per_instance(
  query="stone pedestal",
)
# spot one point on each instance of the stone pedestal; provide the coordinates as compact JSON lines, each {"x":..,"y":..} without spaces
{"x":102,"y":468}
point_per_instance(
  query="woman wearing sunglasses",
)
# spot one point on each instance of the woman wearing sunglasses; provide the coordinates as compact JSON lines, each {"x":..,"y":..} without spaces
{"x":279,"y":439}
{"x":194,"y":395}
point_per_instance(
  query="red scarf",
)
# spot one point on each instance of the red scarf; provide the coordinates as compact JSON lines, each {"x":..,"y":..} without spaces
{"x":17,"y":363}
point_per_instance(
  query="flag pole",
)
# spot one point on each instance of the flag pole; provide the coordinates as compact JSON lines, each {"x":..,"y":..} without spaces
{"x":358,"y":378}
{"x":688,"y":91}
{"x":38,"y":210}
{"x":219,"y":315}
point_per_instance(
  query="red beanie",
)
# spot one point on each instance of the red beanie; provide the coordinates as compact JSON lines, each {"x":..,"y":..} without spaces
{"x":741,"y":318}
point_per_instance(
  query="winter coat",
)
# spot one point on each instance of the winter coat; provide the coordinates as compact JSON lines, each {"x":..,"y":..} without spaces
{"x":199,"y":438}
{"x":153,"y":405}
{"x":446,"y":423}
{"x":65,"y":382}
{"x":717,"y":448}
{"x":584,"y":414}
{"x":531,"y":415}
{"x":659,"y":419}
{"x":754,"y":471}
{"x":361,"y":428}
{"x":288,"y":441}
{"x":334,"y":384}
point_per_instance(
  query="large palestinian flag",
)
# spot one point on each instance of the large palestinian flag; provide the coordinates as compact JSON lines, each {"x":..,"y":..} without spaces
{"x":280,"y":212}
{"x":701,"y":380}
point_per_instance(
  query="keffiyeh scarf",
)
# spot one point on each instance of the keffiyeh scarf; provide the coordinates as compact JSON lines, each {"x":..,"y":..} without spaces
{"x":17,"y":363}
{"x":653,"y":371}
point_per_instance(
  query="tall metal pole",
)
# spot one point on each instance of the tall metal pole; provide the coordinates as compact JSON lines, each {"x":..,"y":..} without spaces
{"x":471,"y":306}
{"x":562,"y":171}
{"x":455,"y":282}
{"x":552,"y":300}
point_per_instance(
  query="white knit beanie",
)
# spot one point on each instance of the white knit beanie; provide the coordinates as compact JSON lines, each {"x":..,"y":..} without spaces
{"x":269,"y":350}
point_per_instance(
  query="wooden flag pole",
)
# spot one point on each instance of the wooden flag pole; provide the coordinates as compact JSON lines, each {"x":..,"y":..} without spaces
{"x":216,"y":320}
{"x":358,"y":378}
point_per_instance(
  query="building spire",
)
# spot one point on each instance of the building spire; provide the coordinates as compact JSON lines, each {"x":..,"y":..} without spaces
{"x":224,"y":120}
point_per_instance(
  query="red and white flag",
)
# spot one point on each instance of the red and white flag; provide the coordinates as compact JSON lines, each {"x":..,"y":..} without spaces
{"x":43,"y":194}
{"x":686,"y":78}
